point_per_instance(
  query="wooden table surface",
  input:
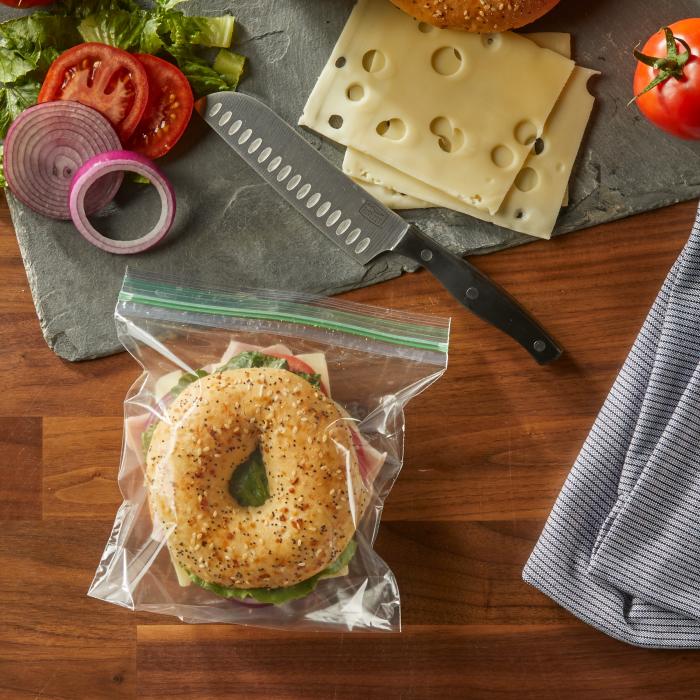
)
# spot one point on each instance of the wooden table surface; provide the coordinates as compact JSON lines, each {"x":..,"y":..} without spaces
{"x":487,"y":450}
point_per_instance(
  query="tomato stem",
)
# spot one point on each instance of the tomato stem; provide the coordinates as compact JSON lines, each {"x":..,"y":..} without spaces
{"x":669,"y":66}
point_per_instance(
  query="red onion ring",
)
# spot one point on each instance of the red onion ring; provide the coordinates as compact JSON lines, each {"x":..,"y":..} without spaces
{"x":44,"y":148}
{"x":88,"y":177}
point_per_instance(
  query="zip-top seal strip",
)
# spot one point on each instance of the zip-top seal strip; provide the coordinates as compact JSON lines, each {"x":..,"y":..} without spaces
{"x":417,"y":331}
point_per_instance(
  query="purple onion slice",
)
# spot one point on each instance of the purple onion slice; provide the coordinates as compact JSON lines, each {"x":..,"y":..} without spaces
{"x":106,"y":165}
{"x":44,"y":148}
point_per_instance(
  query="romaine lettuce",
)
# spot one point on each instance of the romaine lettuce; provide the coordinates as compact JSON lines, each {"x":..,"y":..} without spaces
{"x":29,"y":44}
{"x":280,"y":595}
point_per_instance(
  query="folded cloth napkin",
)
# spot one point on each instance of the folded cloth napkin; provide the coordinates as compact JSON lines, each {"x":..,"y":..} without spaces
{"x":621,"y":548}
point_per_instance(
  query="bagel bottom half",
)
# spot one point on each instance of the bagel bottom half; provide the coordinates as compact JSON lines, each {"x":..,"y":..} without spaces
{"x":316,"y":493}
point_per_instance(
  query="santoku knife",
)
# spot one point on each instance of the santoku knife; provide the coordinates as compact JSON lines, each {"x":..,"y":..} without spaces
{"x":356,"y":222}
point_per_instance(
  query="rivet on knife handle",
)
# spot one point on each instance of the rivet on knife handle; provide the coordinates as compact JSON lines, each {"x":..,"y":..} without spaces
{"x":480,"y":295}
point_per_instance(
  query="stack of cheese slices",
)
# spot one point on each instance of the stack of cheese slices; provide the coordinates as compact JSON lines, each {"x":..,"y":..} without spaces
{"x":488,"y":125}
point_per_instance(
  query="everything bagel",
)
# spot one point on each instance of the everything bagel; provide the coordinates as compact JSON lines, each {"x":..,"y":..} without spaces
{"x":316,"y":493}
{"x":481,"y":16}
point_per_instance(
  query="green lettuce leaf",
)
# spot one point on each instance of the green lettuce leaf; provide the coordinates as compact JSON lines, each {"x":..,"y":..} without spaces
{"x":147,"y":437}
{"x":14,"y":99}
{"x":253,"y":359}
{"x":14,"y":66}
{"x":313,"y":379}
{"x":229,"y":65}
{"x":185,"y":380}
{"x":201,"y":74}
{"x":150,"y":37}
{"x":214,"y":32}
{"x":28,"y":45}
{"x":84,"y":8}
{"x":121,"y":28}
{"x":278,"y":596}
{"x":248,"y":485}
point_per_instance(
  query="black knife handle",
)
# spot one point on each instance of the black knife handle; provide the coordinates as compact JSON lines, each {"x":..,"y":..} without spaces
{"x":479,"y":294}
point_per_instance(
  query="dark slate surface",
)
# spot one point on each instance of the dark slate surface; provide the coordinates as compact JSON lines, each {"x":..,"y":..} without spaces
{"x":232,"y":230}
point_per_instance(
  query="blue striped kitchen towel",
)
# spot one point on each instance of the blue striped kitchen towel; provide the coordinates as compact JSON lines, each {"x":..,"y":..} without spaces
{"x":621,"y":548}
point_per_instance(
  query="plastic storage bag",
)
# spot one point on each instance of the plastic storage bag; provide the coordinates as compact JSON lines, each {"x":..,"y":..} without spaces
{"x":260,"y":442}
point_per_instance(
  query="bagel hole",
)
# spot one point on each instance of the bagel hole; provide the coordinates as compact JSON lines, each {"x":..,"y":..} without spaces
{"x":248,"y":484}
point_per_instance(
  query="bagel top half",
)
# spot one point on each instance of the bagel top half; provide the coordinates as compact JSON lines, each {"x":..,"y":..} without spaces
{"x":480,"y":16}
{"x":316,"y":493}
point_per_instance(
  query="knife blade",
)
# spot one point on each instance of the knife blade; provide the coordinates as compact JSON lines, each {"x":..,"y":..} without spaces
{"x":352,"y":219}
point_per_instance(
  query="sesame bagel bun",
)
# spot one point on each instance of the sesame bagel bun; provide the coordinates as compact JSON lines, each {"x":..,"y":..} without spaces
{"x":480,"y":16}
{"x":316,"y":492}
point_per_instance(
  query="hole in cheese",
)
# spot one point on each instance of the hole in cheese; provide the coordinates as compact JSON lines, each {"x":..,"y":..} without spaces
{"x":373,"y":61}
{"x":355,"y":92}
{"x":539,"y":146}
{"x":425,"y":28}
{"x":340,"y":62}
{"x":450,"y":139}
{"x":519,"y":214}
{"x":527,"y":179}
{"x":526,"y":133}
{"x":502,"y":156}
{"x":446,"y":61}
{"x":393,"y":129}
{"x":335,"y":121}
{"x":491,"y":41}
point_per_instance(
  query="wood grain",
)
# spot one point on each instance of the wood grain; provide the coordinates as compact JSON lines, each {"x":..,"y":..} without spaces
{"x":477,"y":661}
{"x":487,"y":449}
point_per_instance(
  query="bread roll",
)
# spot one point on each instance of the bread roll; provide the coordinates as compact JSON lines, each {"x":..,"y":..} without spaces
{"x":481,"y":16}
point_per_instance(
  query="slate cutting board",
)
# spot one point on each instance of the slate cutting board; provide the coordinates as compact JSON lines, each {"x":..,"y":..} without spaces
{"x":231,"y":229}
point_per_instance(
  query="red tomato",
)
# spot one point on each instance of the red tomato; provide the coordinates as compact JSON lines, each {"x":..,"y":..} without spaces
{"x":674,"y":104}
{"x":25,"y":3}
{"x":169,"y":108}
{"x":107,"y":79}
{"x":295,"y":364}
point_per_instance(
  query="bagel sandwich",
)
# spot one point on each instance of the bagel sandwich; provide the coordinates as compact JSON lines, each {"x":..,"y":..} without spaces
{"x":258,"y":476}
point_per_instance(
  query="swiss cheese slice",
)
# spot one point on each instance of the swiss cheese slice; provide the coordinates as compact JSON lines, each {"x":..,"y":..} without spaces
{"x":386,"y":194}
{"x":459,"y":110}
{"x":533,"y":204}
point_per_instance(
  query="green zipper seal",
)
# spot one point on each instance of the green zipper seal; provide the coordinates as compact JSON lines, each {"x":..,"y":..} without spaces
{"x":295,"y":318}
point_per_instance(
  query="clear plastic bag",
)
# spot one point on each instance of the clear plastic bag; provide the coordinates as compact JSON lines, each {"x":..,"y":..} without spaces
{"x":316,"y":389}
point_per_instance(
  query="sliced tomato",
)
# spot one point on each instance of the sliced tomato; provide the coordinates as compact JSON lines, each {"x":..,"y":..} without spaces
{"x":295,"y":364}
{"x":103,"y":77}
{"x":25,"y":3}
{"x":169,"y":108}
